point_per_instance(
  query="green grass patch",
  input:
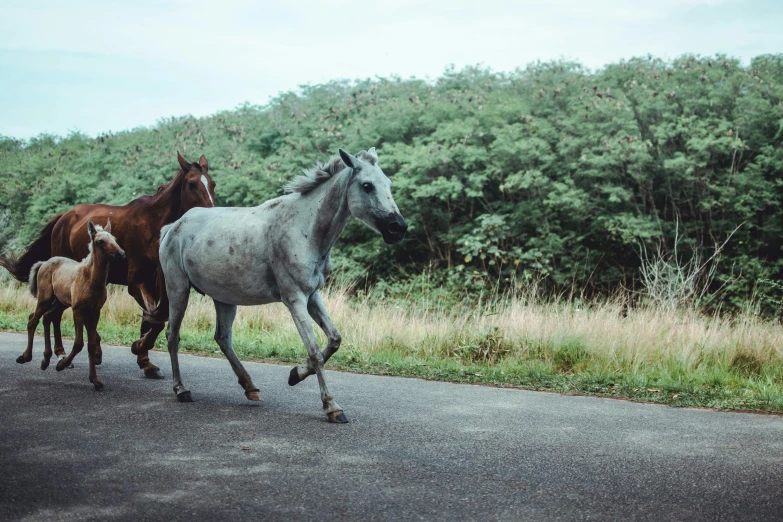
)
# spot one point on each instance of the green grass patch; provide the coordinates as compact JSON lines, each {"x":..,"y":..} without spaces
{"x":565,"y":363}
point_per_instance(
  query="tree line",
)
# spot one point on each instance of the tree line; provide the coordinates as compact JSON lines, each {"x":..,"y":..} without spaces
{"x":552,"y":172}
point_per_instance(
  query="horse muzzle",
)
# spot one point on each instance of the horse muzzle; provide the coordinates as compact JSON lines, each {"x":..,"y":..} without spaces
{"x":120,"y":254}
{"x":393,"y":228}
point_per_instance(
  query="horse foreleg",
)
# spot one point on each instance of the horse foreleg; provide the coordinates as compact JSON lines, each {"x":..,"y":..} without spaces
{"x":298,"y":309}
{"x":152,"y":323}
{"x":317,"y":310}
{"x":78,"y":341}
{"x":150,"y":330}
{"x":225,"y":315}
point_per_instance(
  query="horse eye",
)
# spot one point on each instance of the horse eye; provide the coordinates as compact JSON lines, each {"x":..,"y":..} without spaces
{"x":191,"y":185}
{"x":100,"y":241}
{"x":368,"y":187}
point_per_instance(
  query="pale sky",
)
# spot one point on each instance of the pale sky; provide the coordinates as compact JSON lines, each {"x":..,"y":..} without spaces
{"x":109,"y":66}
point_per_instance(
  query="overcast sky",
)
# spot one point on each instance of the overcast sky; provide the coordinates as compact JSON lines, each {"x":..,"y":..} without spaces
{"x":99,"y":66}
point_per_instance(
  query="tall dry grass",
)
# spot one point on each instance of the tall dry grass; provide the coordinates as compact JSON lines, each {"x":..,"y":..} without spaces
{"x":512,"y":328}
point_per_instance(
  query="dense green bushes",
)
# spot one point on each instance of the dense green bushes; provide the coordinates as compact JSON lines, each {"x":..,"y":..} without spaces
{"x":550,"y":171}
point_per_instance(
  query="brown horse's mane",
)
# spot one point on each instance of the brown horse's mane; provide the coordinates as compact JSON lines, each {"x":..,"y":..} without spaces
{"x":180,"y":173}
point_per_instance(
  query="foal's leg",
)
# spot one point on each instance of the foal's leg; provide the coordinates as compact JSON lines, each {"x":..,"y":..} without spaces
{"x":53,"y":317}
{"x":93,"y":338}
{"x":47,"y":321}
{"x":298,"y":309}
{"x":78,"y":342}
{"x":178,"y":303}
{"x":225,"y":314}
{"x":98,"y":358}
{"x":316,"y":309}
{"x":57,"y":317}
{"x":41,"y":308}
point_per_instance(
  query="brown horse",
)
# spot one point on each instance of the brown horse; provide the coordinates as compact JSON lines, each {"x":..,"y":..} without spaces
{"x":60,"y":283}
{"x":137,"y":228}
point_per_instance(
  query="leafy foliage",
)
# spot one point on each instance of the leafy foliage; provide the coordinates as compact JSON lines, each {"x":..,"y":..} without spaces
{"x":551,"y":170}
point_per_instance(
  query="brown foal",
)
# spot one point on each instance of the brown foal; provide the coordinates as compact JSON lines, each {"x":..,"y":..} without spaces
{"x":60,"y":283}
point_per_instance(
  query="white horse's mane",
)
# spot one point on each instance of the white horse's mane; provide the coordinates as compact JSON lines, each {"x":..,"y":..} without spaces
{"x":321,"y":172}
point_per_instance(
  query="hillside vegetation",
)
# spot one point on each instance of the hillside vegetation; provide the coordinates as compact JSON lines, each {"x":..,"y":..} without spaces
{"x":551,"y":173}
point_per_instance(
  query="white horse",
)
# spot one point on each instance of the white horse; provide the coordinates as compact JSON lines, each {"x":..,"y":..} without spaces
{"x":276,"y":252}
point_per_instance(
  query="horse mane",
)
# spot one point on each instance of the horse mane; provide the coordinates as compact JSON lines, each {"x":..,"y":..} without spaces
{"x":172,"y":182}
{"x":321,"y":172}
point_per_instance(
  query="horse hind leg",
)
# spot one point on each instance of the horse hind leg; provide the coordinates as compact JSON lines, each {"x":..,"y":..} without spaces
{"x":47,"y":321}
{"x":52,"y":318}
{"x":92,"y":342}
{"x":57,"y":317}
{"x":224,"y":322}
{"x":32,"y":323}
{"x":178,"y":289}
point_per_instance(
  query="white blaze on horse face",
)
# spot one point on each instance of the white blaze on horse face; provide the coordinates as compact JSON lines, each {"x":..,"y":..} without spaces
{"x":206,"y":186}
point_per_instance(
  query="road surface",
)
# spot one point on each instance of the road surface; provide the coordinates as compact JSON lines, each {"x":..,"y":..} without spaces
{"x":414,"y":450}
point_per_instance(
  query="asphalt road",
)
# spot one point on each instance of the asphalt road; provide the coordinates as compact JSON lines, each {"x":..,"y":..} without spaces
{"x":414,"y":450}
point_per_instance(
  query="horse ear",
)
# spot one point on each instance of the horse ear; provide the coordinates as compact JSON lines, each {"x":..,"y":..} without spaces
{"x":183,"y":162}
{"x":373,"y":154}
{"x":107,"y":228}
{"x":91,"y":229}
{"x":348,"y":159}
{"x":202,"y":161}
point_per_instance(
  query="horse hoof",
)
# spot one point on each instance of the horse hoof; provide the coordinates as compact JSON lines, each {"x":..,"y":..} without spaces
{"x":60,"y":366}
{"x":44,"y":364}
{"x":153,"y":373}
{"x":22,"y":359}
{"x":293,"y":377}
{"x":253,"y":395}
{"x":98,"y":386}
{"x":337,"y":417}
{"x":184,"y":396}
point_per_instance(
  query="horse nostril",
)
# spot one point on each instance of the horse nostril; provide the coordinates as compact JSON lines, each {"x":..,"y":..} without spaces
{"x":394,"y":228}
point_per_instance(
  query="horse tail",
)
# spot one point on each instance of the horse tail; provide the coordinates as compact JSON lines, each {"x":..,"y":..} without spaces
{"x":160,"y":313}
{"x":34,"y":278}
{"x":40,"y":250}
{"x":164,"y":231}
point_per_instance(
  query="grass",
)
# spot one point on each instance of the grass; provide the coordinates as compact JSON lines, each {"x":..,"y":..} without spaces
{"x":681,"y":358}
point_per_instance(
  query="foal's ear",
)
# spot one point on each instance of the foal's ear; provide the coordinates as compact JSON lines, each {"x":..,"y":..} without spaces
{"x":107,"y":228}
{"x":91,"y":229}
{"x":349,"y":159}
{"x":183,"y":162}
{"x":373,"y":154}
{"x":202,"y":161}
